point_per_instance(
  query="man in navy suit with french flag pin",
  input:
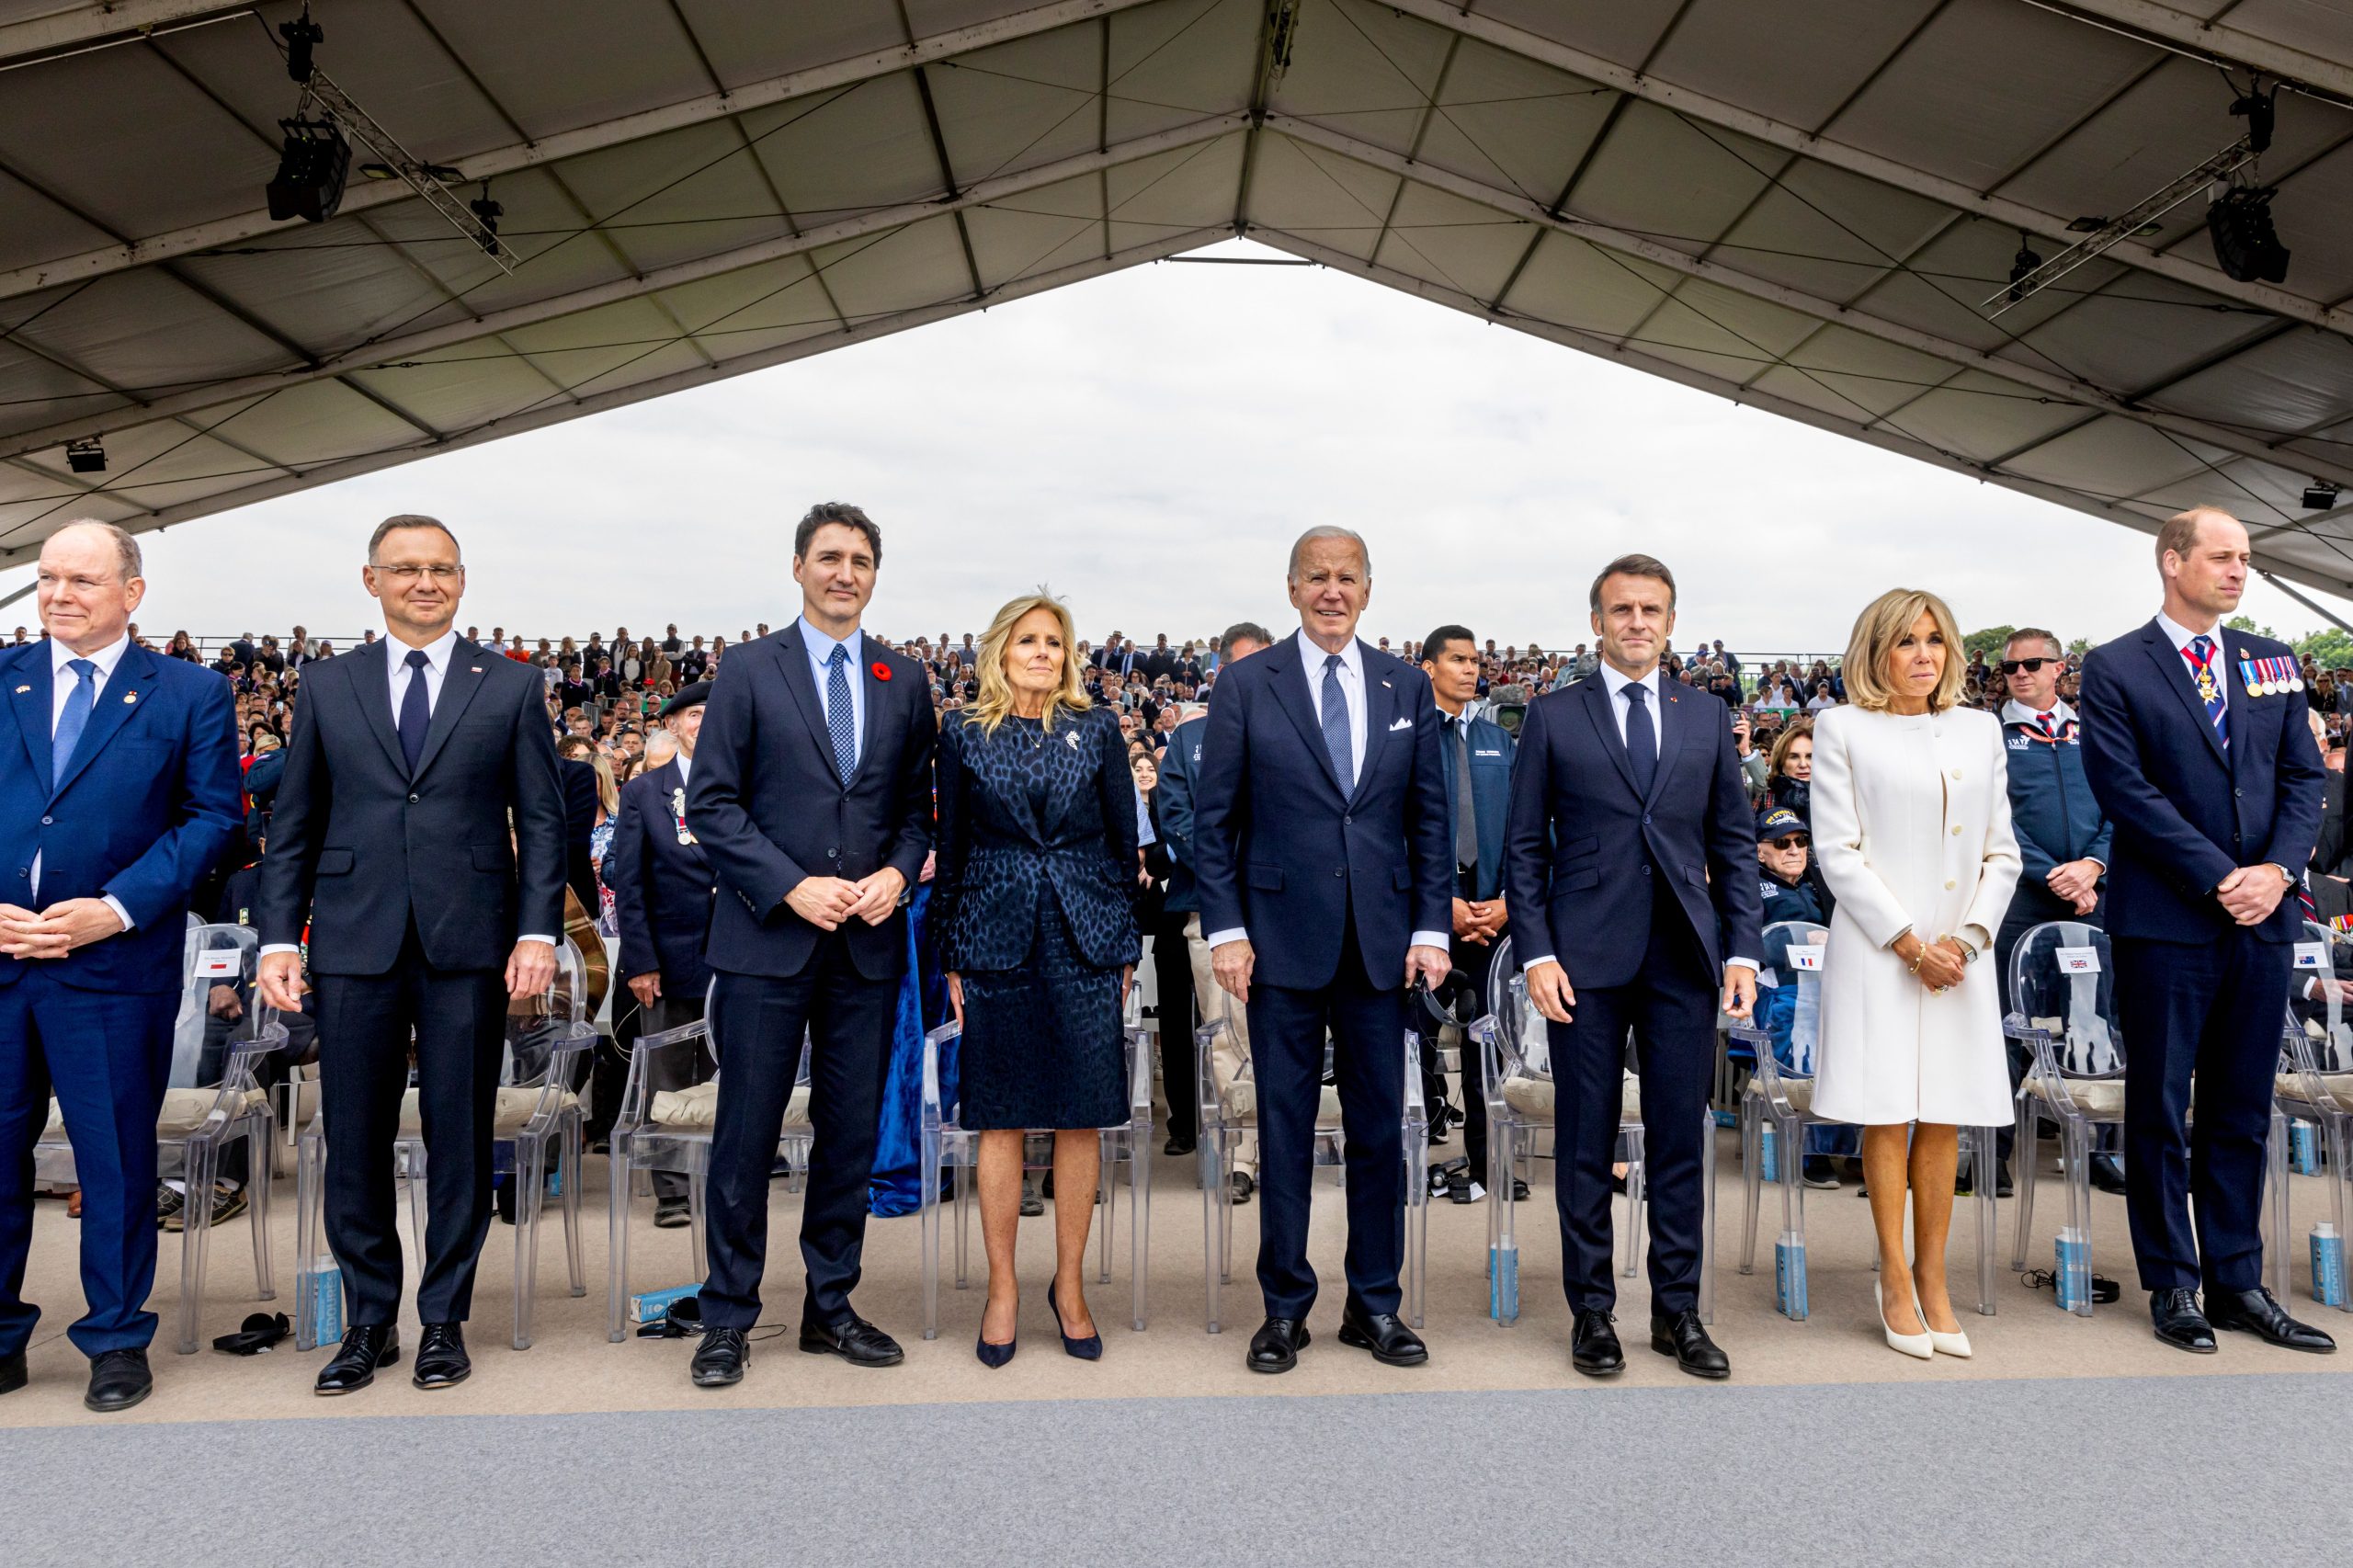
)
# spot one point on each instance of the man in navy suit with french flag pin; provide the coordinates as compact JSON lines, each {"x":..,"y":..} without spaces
{"x":117,"y":794}
{"x":2197,"y":745}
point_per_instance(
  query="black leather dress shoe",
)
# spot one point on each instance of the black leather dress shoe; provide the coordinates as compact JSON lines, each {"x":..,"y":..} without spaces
{"x":1275,"y":1347}
{"x":672,"y":1214}
{"x":720,"y":1358}
{"x":365,"y":1348}
{"x":442,"y":1358}
{"x":1592,"y":1345}
{"x":1685,"y":1337}
{"x":2179,"y":1323}
{"x":1179,"y":1147}
{"x":118,"y":1380}
{"x":12,"y":1372}
{"x":853,"y":1339}
{"x":2254,"y":1311}
{"x":1384,"y":1334}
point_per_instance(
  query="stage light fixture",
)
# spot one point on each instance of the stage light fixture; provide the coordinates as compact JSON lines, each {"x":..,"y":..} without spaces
{"x":2022,"y":267}
{"x":310,"y":171}
{"x":487,"y":213}
{"x":2319,"y":497}
{"x":2247,"y":247}
{"x":2257,"y":109}
{"x":86,"y":457}
{"x":302,"y":35}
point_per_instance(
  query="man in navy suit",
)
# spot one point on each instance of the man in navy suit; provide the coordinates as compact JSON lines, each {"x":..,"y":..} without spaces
{"x":1630,"y":870}
{"x":1325,"y":872}
{"x":811,"y":795}
{"x":2196,"y":745}
{"x":118,"y":793}
{"x":418,"y":835}
{"x":1478,"y":755}
{"x":662,"y":888}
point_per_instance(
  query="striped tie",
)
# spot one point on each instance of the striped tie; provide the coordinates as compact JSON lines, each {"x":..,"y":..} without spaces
{"x":2201,"y":654}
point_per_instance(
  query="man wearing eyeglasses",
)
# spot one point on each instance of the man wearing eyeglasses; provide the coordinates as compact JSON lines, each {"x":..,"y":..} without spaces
{"x":2061,"y":832}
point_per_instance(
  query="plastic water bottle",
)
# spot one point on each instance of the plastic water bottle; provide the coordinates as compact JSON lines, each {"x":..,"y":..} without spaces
{"x":1767,"y":1153}
{"x":2072,"y":1278}
{"x":323,"y":1294}
{"x":2328,"y":1266}
{"x":2303,"y":1148}
{"x":1788,"y":1275}
{"x":1503,"y":1283}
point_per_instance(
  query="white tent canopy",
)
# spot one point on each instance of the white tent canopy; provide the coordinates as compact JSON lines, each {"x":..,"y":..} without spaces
{"x":1799,"y":204}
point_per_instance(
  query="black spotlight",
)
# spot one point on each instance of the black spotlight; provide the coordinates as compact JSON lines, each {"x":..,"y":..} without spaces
{"x":2260,"y":115}
{"x":86,"y":457}
{"x":2022,"y":265}
{"x":487,"y":213}
{"x":303,"y":34}
{"x":2319,"y":497}
{"x":310,"y":171}
{"x":2247,"y":247}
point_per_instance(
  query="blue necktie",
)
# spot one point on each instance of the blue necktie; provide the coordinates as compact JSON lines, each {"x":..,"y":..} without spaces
{"x":416,"y":710}
{"x":1641,"y":741}
{"x":2201,"y":654}
{"x":75,"y":720}
{"x":841,"y":723}
{"x":1336,"y":727}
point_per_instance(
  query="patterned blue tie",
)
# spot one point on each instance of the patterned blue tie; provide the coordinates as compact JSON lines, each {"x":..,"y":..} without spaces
{"x":2201,"y":654}
{"x":76,"y":716}
{"x":1336,"y":727}
{"x":841,"y":723}
{"x":1641,"y":739}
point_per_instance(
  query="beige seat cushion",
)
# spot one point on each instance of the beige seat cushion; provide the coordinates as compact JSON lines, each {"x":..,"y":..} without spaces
{"x":1241,"y":1104}
{"x":1535,"y":1098}
{"x":1798,"y":1091}
{"x":698,"y":1107}
{"x":514,"y":1108}
{"x":184,"y":1111}
{"x":2101,"y":1099}
{"x":2338,"y":1085}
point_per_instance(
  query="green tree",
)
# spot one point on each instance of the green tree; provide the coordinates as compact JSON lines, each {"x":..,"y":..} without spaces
{"x":1988,"y":642}
{"x":2079,"y":647}
{"x":2331,"y":647}
{"x":2247,"y":623}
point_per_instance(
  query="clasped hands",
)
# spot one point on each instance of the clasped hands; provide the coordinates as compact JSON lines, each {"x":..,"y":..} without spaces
{"x":2077,"y":881}
{"x":57,"y":930}
{"x":829,"y":903}
{"x":2249,"y":894}
{"x":1941,"y":962}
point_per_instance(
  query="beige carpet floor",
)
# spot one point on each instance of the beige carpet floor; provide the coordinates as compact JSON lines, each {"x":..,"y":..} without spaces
{"x":572,"y":1367}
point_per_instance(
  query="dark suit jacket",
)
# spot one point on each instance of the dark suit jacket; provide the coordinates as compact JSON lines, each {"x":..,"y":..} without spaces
{"x":1578,"y":837}
{"x":2328,"y":850}
{"x":662,"y":889}
{"x":360,"y":850}
{"x":1001,"y":841}
{"x":1180,"y":767}
{"x":145,"y":808}
{"x":771,"y":809}
{"x":1490,"y":751}
{"x":579,"y":780}
{"x":2187,"y":811}
{"x":1280,"y":851}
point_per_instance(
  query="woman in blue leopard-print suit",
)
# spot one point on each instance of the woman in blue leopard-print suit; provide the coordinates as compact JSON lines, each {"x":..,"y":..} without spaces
{"x":1033,"y":895}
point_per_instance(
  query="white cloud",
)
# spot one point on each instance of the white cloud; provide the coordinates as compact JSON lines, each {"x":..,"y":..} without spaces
{"x":1147,"y":444}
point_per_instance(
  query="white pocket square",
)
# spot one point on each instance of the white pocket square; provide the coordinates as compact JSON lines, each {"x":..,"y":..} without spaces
{"x":1401,"y":725}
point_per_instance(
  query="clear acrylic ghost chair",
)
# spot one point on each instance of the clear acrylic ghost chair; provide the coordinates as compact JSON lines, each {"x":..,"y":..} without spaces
{"x":669,"y":1129}
{"x":220,"y":1035}
{"x":536,"y":1122}
{"x":1230,"y":1118}
{"x":947,"y":1144}
{"x":1521,"y":1110}
{"x":2315,"y":1084}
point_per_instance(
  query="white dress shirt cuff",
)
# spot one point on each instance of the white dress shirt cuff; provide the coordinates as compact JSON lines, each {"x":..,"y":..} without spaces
{"x":116,"y":905}
{"x":1220,"y":938}
{"x":1527,"y":964}
{"x":1751,"y":965}
{"x":1440,"y":940}
{"x":533,"y":937}
{"x":279,"y":948}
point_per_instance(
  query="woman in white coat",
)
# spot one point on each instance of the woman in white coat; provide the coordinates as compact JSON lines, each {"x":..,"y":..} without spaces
{"x":1912,"y":827}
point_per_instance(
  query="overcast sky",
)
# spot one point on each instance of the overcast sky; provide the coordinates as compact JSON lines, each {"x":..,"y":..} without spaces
{"x":1147,"y":445}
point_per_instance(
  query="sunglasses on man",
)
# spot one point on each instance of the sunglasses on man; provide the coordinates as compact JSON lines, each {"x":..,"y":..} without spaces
{"x":1789,"y":841}
{"x":2012,"y":666}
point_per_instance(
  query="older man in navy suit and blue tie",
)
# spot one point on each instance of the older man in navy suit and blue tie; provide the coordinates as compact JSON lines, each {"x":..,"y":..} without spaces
{"x":1325,"y":863}
{"x":117,"y":794}
{"x":1630,"y":870}
{"x":2197,"y":745}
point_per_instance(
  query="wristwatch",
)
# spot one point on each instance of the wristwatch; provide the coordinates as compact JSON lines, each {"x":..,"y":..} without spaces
{"x":1968,"y":950}
{"x":2286,"y":876}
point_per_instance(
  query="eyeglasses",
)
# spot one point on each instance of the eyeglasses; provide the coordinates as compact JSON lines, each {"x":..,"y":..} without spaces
{"x":2012,"y":666}
{"x":1789,"y":841}
{"x":437,"y":570}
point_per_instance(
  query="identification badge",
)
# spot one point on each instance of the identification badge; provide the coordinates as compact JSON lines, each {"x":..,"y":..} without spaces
{"x":2078,"y":961}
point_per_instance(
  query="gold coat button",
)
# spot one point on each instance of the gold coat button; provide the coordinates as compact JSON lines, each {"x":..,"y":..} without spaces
{"x":1956,"y":830}
{"x":1950,"y":885}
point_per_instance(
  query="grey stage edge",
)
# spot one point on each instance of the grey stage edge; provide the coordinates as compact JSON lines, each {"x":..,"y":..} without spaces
{"x":2221,"y":1470}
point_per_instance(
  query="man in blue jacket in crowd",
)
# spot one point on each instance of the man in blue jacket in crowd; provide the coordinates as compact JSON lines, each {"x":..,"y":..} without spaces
{"x":2063,"y":834}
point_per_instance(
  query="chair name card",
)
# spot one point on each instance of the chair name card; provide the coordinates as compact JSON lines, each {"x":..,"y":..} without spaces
{"x":2312,"y":955}
{"x":217,"y":963}
{"x":2078,"y":960}
{"x":1806,"y":957}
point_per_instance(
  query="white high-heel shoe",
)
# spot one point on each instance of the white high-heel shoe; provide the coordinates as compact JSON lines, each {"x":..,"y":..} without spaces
{"x":1919,"y":1345}
{"x":1955,"y":1345}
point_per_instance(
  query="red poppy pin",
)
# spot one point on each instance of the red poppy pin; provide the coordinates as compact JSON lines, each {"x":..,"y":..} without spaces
{"x":882,"y":671}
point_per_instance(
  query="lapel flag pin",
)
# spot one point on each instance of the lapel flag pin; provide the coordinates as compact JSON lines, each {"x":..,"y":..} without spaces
{"x":475,"y":669}
{"x":22,"y":689}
